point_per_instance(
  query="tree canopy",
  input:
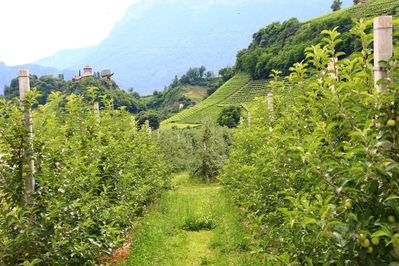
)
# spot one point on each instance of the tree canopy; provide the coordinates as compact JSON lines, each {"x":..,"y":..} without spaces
{"x":46,"y":85}
{"x":230,"y":116}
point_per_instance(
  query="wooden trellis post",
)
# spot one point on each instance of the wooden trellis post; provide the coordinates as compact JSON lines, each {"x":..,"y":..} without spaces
{"x":149,"y":129}
{"x":24,"y":87}
{"x":333,"y":70}
{"x":96,"y":107}
{"x":383,"y":47}
{"x":249,"y":117}
{"x":270,"y":105}
{"x":332,"y":67}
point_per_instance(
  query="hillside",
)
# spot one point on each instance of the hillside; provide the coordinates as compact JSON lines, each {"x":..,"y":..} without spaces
{"x":237,"y":91}
{"x":208,"y":34}
{"x":278,"y":46}
{"x":89,"y":88}
{"x":173,"y":100}
{"x":7,"y":73}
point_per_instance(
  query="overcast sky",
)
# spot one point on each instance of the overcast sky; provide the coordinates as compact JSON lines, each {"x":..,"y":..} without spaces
{"x":47,"y":26}
{"x":33,"y":29}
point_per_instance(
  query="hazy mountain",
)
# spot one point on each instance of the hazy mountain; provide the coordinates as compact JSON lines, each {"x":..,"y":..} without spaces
{"x":7,"y":73}
{"x":154,"y":42}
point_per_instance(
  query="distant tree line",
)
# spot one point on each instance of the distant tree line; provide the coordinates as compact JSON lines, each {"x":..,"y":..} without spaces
{"x":45,"y":85}
{"x":279,"y":45}
{"x":337,"y":4}
{"x":196,"y":76}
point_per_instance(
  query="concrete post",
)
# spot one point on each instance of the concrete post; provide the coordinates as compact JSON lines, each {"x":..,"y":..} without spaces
{"x":249,"y":117}
{"x":149,"y":129}
{"x":270,"y":102}
{"x":333,"y":69}
{"x":96,"y":107}
{"x":24,"y":87}
{"x":383,"y":47}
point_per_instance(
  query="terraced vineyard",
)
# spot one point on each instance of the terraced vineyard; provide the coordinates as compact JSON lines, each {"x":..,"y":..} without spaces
{"x":247,"y":93}
{"x":367,"y":10}
{"x":196,"y":114}
{"x":239,"y":90}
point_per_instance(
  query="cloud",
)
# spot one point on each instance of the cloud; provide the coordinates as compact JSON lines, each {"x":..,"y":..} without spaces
{"x":34,"y":29}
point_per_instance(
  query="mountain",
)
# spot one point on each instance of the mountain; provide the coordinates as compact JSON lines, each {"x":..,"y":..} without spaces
{"x":7,"y":73}
{"x":157,"y":40}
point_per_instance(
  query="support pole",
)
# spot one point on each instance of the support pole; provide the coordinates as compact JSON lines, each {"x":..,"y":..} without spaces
{"x":149,"y":129}
{"x":96,"y":107}
{"x":249,"y":117}
{"x":270,"y":105}
{"x":332,"y":68}
{"x":24,"y":87}
{"x":383,"y":47}
{"x":333,"y":71}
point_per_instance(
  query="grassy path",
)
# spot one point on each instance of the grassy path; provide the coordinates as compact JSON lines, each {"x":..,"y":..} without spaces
{"x":194,"y":224}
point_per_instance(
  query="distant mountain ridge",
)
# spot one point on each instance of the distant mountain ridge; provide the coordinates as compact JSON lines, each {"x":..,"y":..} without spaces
{"x":153,"y":43}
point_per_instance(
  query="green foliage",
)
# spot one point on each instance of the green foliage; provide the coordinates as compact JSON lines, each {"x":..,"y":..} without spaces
{"x":229,"y":117}
{"x":196,"y":76}
{"x":170,"y":100}
{"x":202,"y":151}
{"x":336,"y":5}
{"x":211,"y":153}
{"x":317,"y":175}
{"x":179,"y":147}
{"x":94,"y":174}
{"x":280,"y":45}
{"x":182,"y":93}
{"x":106,"y":88}
{"x":192,"y":223}
{"x":227,"y":73}
{"x":151,"y":117}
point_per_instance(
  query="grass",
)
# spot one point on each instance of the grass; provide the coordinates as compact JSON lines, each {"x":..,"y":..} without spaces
{"x":194,"y":224}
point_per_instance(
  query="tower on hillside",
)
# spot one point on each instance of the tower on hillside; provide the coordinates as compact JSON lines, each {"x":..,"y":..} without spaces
{"x":106,"y":74}
{"x":87,"y":71}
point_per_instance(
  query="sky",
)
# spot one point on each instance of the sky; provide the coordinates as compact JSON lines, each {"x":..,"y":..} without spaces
{"x":33,"y":29}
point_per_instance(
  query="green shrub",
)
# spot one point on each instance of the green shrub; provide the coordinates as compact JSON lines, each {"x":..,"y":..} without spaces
{"x":230,"y":117}
{"x":202,"y":151}
{"x":211,"y":153}
{"x":198,"y":224}
{"x":317,"y":175}
{"x":94,"y":175}
{"x":152,"y":117}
